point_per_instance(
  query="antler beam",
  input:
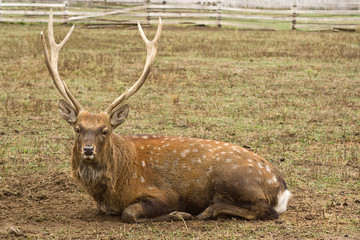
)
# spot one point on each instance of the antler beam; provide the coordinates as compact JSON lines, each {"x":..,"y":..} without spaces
{"x":151,"y":49}
{"x":52,"y":63}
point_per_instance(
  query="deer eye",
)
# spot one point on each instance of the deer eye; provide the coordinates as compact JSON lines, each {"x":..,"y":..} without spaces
{"x":77,"y":130}
{"x":105,"y":132}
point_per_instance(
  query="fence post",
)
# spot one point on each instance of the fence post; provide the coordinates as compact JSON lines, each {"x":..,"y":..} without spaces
{"x":148,"y":18}
{"x":66,"y":11}
{"x":293,"y":22}
{"x":219,"y":13}
{"x":0,"y":9}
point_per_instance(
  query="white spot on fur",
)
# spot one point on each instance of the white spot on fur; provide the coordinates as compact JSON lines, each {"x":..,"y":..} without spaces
{"x":196,"y":161}
{"x":245,"y":150}
{"x":185,"y":152}
{"x":142,"y":147}
{"x":228,"y":160}
{"x":143,"y":164}
{"x":175,"y":151}
{"x":226,"y":144}
{"x":209,"y":171}
{"x":142,"y":179}
{"x":235,"y":167}
{"x":249,"y":160}
{"x":145,"y":137}
{"x":268,"y":169}
{"x":184,"y":166}
{"x":283,"y":198}
{"x":269,"y":181}
{"x":203,"y":156}
{"x":222,"y":153}
{"x":260,"y":172}
{"x":162,"y":141}
{"x":260,"y":165}
{"x":134,"y":175}
{"x":217,"y":142}
{"x":258,"y":179}
{"x":250,"y":164}
{"x":249,"y":170}
{"x":274,"y":179}
{"x":195,"y":150}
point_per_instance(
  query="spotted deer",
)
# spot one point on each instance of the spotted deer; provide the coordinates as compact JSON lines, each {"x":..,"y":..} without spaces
{"x":161,"y":178}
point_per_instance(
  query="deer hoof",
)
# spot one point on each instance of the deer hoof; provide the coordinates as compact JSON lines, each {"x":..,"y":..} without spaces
{"x":128,"y":217}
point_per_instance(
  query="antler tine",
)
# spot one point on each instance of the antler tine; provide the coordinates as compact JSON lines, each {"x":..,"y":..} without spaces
{"x":151,"y":49}
{"x":52,"y":62}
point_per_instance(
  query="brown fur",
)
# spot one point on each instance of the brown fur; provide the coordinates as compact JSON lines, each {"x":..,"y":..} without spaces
{"x":151,"y":176}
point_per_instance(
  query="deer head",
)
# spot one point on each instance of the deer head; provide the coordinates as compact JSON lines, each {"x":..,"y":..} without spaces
{"x":93,"y":131}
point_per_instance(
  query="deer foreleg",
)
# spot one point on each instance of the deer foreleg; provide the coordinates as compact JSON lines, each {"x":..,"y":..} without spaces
{"x":150,"y":209}
{"x":173,"y":216}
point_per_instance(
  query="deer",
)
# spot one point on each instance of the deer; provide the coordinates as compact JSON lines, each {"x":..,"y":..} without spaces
{"x":161,"y":178}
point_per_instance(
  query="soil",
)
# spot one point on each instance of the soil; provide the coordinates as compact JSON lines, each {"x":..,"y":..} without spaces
{"x":53,"y":206}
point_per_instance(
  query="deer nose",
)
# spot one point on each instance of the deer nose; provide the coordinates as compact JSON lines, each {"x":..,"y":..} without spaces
{"x":88,"y":150}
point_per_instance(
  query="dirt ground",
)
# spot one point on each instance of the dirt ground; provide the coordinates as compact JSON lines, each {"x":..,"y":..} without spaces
{"x":53,"y":206}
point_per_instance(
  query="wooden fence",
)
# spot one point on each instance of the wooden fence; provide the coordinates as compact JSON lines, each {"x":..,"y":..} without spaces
{"x":102,"y":12}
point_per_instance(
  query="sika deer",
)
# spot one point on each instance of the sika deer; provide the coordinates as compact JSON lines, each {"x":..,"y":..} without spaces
{"x":162,"y":177}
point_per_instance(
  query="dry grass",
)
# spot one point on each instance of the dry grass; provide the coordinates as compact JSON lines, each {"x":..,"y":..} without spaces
{"x":292,"y":97}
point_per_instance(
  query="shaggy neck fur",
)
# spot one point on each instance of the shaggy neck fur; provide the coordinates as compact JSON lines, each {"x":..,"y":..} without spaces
{"x":104,"y":178}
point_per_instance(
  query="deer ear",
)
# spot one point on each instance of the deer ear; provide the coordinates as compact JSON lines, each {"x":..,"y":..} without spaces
{"x":67,"y":112}
{"x":119,"y":116}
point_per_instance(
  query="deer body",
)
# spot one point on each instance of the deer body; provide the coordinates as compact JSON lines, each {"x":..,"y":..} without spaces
{"x":158,"y":177}
{"x":166,"y":174}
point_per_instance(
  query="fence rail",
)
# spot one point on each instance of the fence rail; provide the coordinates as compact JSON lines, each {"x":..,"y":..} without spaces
{"x":203,"y":13}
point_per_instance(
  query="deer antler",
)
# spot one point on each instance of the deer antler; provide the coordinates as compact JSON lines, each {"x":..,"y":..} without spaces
{"x":51,"y":63}
{"x":151,"y":48}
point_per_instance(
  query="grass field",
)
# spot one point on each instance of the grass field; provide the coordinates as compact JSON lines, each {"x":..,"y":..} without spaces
{"x":293,"y":97}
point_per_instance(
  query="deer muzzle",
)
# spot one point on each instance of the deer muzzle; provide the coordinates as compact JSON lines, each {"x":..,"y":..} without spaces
{"x":88,"y":152}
